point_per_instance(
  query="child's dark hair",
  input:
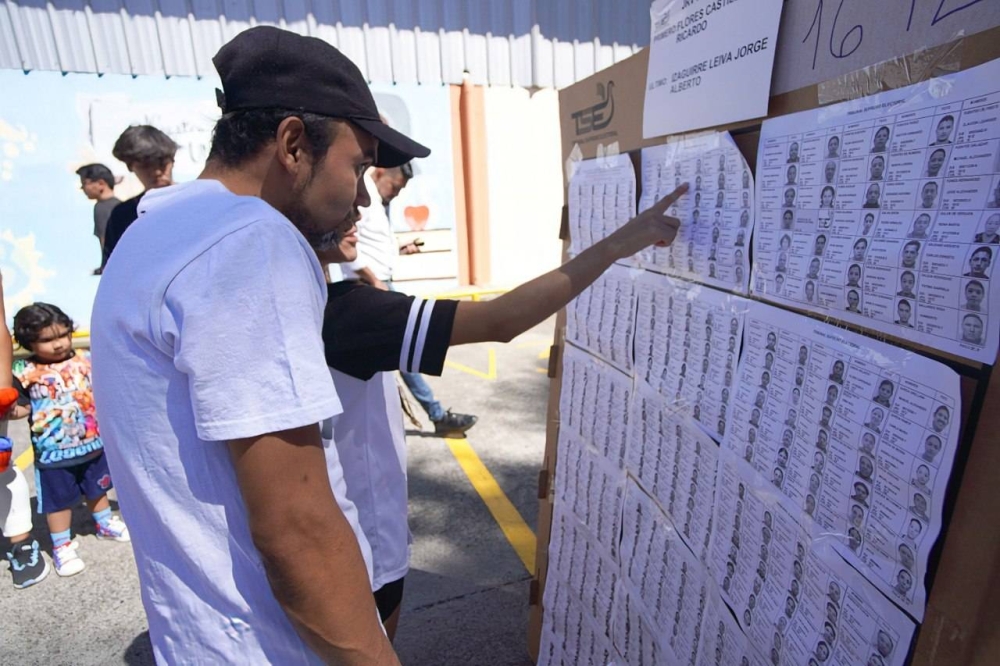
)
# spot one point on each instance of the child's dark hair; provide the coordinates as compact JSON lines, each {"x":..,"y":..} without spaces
{"x":97,"y":172}
{"x":32,"y":319}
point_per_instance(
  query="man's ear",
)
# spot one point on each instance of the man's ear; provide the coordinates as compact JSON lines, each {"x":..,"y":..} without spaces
{"x":291,"y":143}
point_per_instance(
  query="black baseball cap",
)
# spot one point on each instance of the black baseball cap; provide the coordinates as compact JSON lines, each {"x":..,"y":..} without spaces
{"x":270,"y":68}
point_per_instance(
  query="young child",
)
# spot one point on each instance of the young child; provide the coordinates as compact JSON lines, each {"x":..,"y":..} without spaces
{"x":27,"y":565}
{"x":69,"y":454}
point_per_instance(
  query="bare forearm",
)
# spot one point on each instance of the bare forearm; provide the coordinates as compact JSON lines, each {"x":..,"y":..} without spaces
{"x":367,"y":276}
{"x":322,"y":585}
{"x":533,"y":302}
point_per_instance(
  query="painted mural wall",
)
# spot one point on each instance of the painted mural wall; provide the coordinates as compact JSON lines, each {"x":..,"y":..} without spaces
{"x":51,"y":124}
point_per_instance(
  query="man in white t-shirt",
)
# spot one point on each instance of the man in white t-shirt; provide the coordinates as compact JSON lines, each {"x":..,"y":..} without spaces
{"x":377,"y":251}
{"x":368,"y":332}
{"x":209,"y":373}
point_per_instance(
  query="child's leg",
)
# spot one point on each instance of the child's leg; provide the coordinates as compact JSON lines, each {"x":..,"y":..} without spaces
{"x":59,"y":524}
{"x":95,"y":483}
{"x":58,"y":491}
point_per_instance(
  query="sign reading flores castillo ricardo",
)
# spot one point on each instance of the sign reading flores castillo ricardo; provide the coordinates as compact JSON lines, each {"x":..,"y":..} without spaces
{"x":710,"y":63}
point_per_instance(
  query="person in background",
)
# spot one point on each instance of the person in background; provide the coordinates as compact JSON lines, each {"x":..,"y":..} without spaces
{"x":149,"y":154}
{"x":69,"y":453}
{"x":27,"y":564}
{"x":366,"y":334}
{"x":377,"y":250}
{"x":98,"y":184}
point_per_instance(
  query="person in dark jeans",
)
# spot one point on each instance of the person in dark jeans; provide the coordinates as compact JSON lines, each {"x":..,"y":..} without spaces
{"x":149,"y":154}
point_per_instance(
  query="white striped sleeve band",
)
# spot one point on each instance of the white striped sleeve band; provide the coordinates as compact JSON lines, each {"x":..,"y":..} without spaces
{"x":415,"y":336}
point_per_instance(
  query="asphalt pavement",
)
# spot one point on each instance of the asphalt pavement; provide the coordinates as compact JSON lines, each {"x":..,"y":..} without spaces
{"x":466,"y":597}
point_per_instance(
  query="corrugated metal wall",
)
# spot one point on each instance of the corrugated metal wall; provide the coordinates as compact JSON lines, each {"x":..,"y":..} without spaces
{"x":528,"y":43}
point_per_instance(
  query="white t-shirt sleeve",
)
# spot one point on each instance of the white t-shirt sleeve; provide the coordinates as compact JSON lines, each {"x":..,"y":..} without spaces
{"x":244,"y":320}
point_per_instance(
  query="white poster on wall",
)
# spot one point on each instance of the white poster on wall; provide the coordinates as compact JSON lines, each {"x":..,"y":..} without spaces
{"x":703,"y":52}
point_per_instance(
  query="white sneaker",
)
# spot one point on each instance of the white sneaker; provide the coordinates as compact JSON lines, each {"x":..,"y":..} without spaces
{"x":115,"y":531}
{"x":67,"y":562}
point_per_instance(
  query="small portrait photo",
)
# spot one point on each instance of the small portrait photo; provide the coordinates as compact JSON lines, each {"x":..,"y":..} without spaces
{"x":830,"y":172}
{"x":854,"y":539}
{"x":797,"y":570}
{"x":744,"y":218}
{"x":907,"y":559}
{"x":697,"y":184}
{"x":772,"y":341}
{"x":810,"y":505}
{"x":741,"y":238}
{"x":720,"y":199}
{"x":822,"y":652}
{"x":822,"y":440}
{"x":829,"y":633}
{"x":921,"y":477}
{"x":884,"y":643}
{"x":744,"y":200}
{"x":932,"y":447}
{"x":722,"y":180}
{"x":819,"y":246}
{"x":975,"y":295}
{"x":827,"y":196}
{"x":787,"y":219}
{"x":875,"y":660}
{"x":942,"y":131}
{"x":860,"y":248}
{"x":826,"y":415}
{"x":832,"y":393}
{"x":854,"y":275}
{"x":886,"y":389}
{"x":872,"y":196}
{"x":814,"y":482}
{"x":759,"y":400}
{"x":979,"y":263}
{"x":914,"y":529}
{"x":697,"y":199}
{"x":868,"y":442}
{"x":880,"y":140}
{"x":782,"y":262}
{"x":833,"y":147}
{"x":972,"y":329}
{"x":800,"y":375}
{"x":814,"y":267}
{"x":819,"y":462}
{"x":810,"y":291}
{"x":747,"y":617}
{"x":904,"y":583}
{"x":778,"y":477}
{"x":790,"y":605}
{"x":866,"y":468}
{"x":791,"y":417}
{"x":793,"y":152}
{"x":910,"y":254}
{"x":833,"y":592}
{"x":746,"y":179}
{"x":765,"y":379}
{"x":789,"y":201}
{"x":918,"y":507}
{"x":722,"y":162}
{"x":907,"y":284}
{"x":929,"y":194}
{"x":755,"y":417}
{"x":860,"y":493}
{"x":768,"y":520}
{"x":876,"y":169}
{"x":856,"y":516}
{"x":904,"y":313}
{"x":990,"y":234}
{"x":941,"y":419}
{"x":868,"y":223}
{"x":936,"y":160}
{"x":832,"y":612}
{"x":791,"y":175}
{"x":854,"y":301}
{"x":876,"y":419}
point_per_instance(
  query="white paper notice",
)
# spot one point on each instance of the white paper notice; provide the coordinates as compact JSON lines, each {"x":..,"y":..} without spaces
{"x":709,"y":63}
{"x":687,"y":347}
{"x":601,"y":199}
{"x":716,"y":214}
{"x":601,"y":318}
{"x":885,"y":212}
{"x":859,"y":435}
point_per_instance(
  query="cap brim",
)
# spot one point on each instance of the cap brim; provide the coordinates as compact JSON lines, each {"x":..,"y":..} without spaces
{"x":394,"y":148}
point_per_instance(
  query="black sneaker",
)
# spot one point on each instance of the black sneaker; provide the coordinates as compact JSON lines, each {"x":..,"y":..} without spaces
{"x":27,"y":564}
{"x":454,"y":424}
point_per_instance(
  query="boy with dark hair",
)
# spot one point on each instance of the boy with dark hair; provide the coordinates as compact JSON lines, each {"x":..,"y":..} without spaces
{"x":69,"y":455}
{"x":149,"y":154}
{"x":98,"y":184}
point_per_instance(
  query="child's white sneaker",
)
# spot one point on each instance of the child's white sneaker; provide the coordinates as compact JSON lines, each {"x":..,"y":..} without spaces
{"x":116,"y":530}
{"x":67,"y":562}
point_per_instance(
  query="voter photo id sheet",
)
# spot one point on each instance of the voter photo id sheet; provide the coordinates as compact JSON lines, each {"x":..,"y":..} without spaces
{"x":858,"y":434}
{"x":602,"y":194}
{"x":601,"y":319}
{"x":885,"y":212}
{"x":716,"y":214}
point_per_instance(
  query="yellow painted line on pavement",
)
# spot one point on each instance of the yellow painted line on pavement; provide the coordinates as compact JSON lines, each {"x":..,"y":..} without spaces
{"x":520,"y":536}
{"x":25,"y":459}
{"x":489,"y":375}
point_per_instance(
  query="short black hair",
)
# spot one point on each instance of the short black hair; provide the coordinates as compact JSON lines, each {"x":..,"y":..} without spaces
{"x":240,"y":135}
{"x":97,"y":172}
{"x":144,"y":143}
{"x":32,"y":319}
{"x":407,"y":170}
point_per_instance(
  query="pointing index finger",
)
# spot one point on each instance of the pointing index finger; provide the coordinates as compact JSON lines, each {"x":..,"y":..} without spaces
{"x":669,"y":200}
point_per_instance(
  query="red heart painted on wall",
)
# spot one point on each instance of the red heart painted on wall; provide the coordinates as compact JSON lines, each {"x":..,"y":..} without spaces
{"x":416,"y":217}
